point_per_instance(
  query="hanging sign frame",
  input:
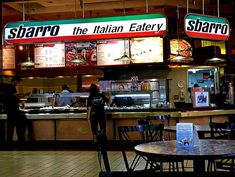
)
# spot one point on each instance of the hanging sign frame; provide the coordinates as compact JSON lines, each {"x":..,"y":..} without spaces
{"x":206,"y":27}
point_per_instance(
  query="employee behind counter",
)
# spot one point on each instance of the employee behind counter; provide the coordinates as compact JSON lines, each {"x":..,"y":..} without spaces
{"x":122,"y":101}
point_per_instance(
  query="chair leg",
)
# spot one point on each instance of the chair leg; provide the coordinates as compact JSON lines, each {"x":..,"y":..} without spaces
{"x":174,"y":166}
{"x":161,"y":166}
{"x":211,"y":165}
{"x":182,"y":164}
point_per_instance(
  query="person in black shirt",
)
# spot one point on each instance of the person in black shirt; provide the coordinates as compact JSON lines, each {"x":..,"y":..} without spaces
{"x":15,"y":118}
{"x":95,"y":109}
{"x":96,"y":116}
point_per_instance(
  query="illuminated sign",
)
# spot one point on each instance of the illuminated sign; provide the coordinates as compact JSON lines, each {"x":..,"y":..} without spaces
{"x":86,"y":29}
{"x":206,"y":27}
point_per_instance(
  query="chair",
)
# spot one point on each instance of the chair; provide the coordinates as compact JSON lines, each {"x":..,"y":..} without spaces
{"x":155,"y":133}
{"x":165,"y":119}
{"x":228,"y":163}
{"x":130,"y":136}
{"x":222,"y":131}
{"x":218,"y":130}
{"x":101,"y":143}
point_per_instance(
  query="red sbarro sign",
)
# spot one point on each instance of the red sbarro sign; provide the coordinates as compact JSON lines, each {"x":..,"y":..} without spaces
{"x":143,"y":25}
{"x":206,"y":27}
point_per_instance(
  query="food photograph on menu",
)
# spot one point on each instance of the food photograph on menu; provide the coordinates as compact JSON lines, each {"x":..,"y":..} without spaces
{"x":113,"y":52}
{"x":49,"y":55}
{"x":146,"y":50}
{"x":80,"y":53}
{"x":180,"y":51}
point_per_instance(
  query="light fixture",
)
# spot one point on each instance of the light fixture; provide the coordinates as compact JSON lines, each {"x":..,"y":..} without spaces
{"x":28,"y":63}
{"x":186,"y":47}
{"x":21,"y":47}
{"x":78,"y":60}
{"x":125,"y":58}
{"x":216,"y":59}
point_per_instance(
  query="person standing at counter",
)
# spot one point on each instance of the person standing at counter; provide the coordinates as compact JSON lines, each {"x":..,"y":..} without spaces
{"x":95,"y":110}
{"x":96,"y":117}
{"x":15,"y":117}
{"x":65,"y":98}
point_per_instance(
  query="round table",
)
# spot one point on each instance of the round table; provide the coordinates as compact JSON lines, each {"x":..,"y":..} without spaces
{"x":207,"y":149}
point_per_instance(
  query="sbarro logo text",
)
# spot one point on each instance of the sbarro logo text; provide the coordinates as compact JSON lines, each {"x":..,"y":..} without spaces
{"x":206,"y":27}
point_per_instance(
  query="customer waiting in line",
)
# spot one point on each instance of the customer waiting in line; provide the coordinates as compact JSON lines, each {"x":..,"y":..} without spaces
{"x":65,"y":97}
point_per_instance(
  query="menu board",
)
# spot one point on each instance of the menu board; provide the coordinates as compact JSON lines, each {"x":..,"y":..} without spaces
{"x":49,"y":55}
{"x":180,"y":51}
{"x":83,"y":52}
{"x":112,"y":52}
{"x":8,"y":57}
{"x":147,"y":50}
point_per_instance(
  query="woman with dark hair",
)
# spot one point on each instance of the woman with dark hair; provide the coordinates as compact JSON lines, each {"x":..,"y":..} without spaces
{"x":96,"y":116}
{"x":95,"y":110}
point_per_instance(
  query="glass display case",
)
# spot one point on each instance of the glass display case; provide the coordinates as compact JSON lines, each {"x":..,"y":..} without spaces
{"x":48,"y":101}
{"x":147,"y":93}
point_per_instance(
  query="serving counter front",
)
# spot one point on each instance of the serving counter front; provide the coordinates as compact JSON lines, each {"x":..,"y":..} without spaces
{"x":73,"y":126}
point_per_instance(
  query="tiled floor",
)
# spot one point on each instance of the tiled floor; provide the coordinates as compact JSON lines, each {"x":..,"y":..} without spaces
{"x":57,"y":163}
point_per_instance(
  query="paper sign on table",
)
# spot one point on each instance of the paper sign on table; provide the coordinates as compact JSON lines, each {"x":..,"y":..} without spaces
{"x":184,"y":135}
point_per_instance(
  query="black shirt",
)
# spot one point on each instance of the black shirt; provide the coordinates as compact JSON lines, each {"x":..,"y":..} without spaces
{"x":97,"y":102}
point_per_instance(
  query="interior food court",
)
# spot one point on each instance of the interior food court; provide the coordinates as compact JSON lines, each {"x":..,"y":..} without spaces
{"x":99,"y":88}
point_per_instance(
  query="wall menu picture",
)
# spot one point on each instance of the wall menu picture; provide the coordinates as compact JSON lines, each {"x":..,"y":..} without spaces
{"x":111,"y":52}
{"x":180,"y":51}
{"x":49,"y":55}
{"x":146,"y":50}
{"x":8,"y":57}
{"x":83,"y":52}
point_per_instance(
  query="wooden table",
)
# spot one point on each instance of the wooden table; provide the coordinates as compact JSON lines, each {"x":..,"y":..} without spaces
{"x":207,"y":149}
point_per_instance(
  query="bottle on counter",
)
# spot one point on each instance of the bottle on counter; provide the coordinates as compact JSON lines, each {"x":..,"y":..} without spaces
{"x":230,"y":95}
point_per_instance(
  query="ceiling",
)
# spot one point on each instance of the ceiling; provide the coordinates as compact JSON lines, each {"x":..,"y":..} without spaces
{"x":17,"y":10}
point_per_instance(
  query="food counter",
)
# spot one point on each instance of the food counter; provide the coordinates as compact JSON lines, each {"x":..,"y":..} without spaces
{"x":69,"y":125}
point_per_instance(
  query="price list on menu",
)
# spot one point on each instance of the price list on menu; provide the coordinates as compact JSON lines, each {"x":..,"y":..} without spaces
{"x":49,"y":55}
{"x":8,"y":57}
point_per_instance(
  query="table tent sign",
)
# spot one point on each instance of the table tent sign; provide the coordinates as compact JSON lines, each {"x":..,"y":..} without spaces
{"x":186,"y":135}
{"x":206,"y":27}
{"x":143,"y":25}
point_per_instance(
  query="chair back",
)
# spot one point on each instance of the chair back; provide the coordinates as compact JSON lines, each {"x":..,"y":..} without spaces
{"x":231,"y":127}
{"x":154,"y":131}
{"x":164,"y":118}
{"x":219,"y":130}
{"x":130,"y":136}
